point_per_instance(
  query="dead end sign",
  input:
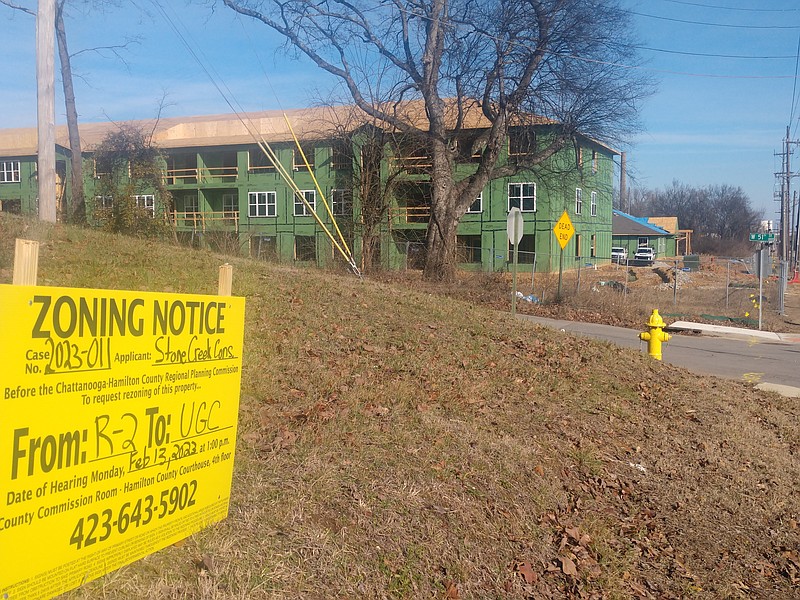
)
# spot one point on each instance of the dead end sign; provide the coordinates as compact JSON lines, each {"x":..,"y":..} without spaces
{"x":564,"y":230}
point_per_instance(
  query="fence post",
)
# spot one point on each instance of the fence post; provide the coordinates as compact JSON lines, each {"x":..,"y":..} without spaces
{"x":675,"y":286}
{"x":26,"y":262}
{"x":727,"y":284}
{"x":225,"y":287}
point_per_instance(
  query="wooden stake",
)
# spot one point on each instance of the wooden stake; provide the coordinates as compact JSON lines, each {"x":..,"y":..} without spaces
{"x":225,"y":280}
{"x":26,"y":262}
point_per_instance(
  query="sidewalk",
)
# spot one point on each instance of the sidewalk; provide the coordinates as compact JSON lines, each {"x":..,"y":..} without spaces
{"x":767,"y":360}
{"x":734,"y":332}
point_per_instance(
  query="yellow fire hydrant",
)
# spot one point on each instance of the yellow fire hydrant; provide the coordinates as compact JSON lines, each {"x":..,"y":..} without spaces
{"x":656,"y":335}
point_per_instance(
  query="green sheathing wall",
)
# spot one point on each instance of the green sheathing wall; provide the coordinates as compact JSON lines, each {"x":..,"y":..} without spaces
{"x":555,"y":193}
{"x":23,"y":192}
{"x":557,"y":182}
{"x":223,"y":172}
{"x":285,"y":226}
{"x":272,"y":236}
{"x":671,"y":246}
{"x":22,"y":195}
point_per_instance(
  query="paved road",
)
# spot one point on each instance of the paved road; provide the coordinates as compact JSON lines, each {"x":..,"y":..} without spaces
{"x":753,"y":360}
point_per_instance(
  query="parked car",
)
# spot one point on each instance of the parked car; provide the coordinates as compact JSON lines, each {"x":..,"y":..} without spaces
{"x":645,"y":255}
{"x":619,"y":254}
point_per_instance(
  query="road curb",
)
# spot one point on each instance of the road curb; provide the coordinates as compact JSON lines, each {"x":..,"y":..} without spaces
{"x":737,"y":332}
{"x":784,"y":390}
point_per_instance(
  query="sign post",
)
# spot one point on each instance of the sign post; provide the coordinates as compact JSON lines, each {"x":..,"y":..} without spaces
{"x":763,"y":257}
{"x":514,"y":229}
{"x":563,"y":231}
{"x":118,"y":425}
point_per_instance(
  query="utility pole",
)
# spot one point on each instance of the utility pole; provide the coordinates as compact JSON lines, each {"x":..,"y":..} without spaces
{"x":796,"y":225}
{"x":789,"y":231}
{"x":45,"y":103}
{"x":785,"y":196}
{"x":623,"y":187}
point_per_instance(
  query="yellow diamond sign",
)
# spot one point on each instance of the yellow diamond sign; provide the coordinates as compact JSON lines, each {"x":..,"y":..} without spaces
{"x":564,"y":230}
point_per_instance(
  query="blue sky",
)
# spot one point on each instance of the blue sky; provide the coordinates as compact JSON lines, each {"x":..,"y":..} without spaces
{"x":713,"y":120}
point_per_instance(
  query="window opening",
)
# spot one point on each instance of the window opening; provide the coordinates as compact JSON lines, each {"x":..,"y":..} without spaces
{"x":522,"y":196}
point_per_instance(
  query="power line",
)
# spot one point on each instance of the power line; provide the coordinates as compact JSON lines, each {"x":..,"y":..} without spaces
{"x":794,"y":87}
{"x":252,"y":130}
{"x":715,"y":6}
{"x":638,"y":67}
{"x":257,"y":54}
{"x":710,"y":24}
{"x":670,"y":72}
{"x":709,"y":55}
{"x":664,"y":71}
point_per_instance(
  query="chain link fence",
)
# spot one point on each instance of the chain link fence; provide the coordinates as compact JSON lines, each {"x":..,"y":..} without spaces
{"x":725,"y":290}
{"x":716,"y":289}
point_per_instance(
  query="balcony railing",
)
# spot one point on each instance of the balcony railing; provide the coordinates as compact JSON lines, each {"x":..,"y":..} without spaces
{"x":413,"y":165}
{"x":180,"y":176}
{"x":224,"y":173}
{"x":205,"y":220}
{"x":200,"y":175}
{"x":409,"y":214}
{"x":261,"y":169}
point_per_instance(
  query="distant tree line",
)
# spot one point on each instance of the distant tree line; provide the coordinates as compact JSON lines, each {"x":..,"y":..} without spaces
{"x":720,"y":216}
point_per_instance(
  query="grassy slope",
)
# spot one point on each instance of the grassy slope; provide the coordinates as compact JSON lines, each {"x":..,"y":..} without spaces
{"x":396,"y":444}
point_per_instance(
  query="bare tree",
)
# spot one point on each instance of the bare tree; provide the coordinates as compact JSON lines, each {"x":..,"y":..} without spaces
{"x":359,"y":147}
{"x":720,"y":215}
{"x":637,"y":201}
{"x":130,"y":169}
{"x":67,"y":82}
{"x":76,"y":152}
{"x":497,"y":64}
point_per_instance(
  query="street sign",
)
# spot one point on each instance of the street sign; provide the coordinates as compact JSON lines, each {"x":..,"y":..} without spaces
{"x":514,"y":226}
{"x":762,"y":237}
{"x":564,"y":230}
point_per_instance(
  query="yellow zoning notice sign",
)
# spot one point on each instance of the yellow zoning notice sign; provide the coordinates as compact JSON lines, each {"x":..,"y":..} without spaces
{"x":118,"y":421}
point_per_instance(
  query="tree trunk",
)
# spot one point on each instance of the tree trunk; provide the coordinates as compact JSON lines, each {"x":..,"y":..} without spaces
{"x":369,"y":253}
{"x":78,"y":200}
{"x":440,"y":243}
{"x":440,"y":262}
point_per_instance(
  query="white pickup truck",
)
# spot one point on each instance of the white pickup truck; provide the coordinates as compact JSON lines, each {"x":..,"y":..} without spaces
{"x":645,"y":255}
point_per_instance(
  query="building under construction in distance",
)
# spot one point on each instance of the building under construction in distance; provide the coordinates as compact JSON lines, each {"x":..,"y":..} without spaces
{"x":296,"y":187}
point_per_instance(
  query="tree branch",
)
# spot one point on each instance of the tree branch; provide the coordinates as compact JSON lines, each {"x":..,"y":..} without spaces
{"x":113,"y":49}
{"x":24,"y":9}
{"x":343,"y":72}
